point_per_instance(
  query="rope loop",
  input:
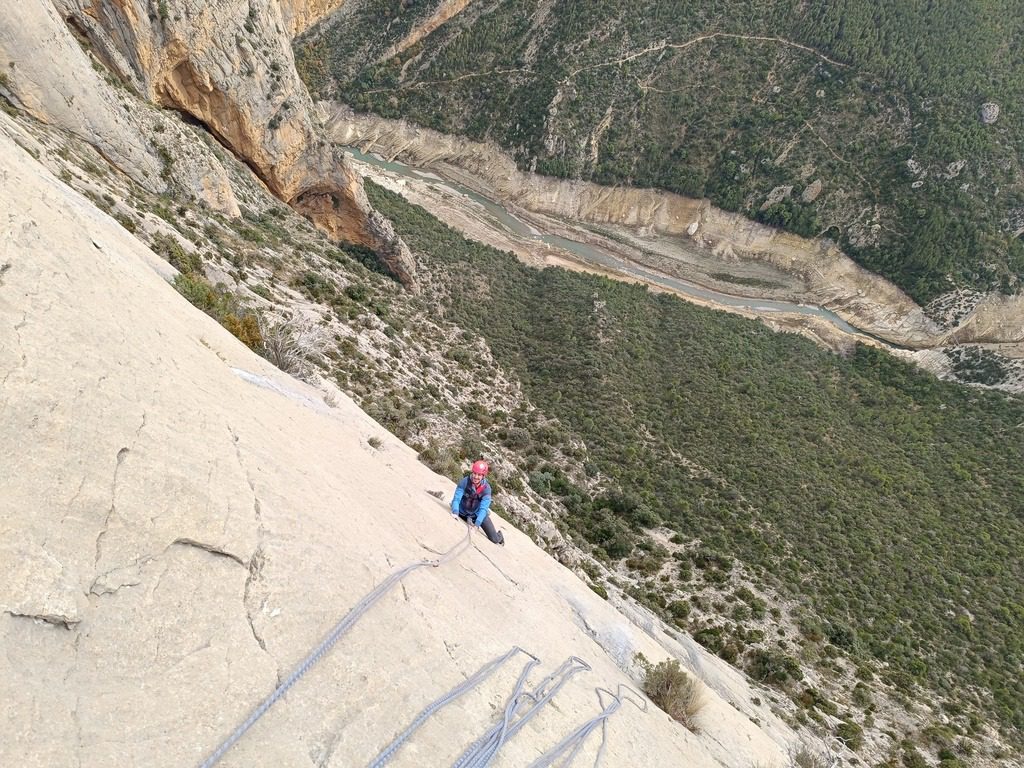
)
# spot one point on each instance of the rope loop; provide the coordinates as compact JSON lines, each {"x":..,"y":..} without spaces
{"x":483,"y":750}
{"x":482,"y":674}
{"x":573,"y":743}
{"x":328,"y":642}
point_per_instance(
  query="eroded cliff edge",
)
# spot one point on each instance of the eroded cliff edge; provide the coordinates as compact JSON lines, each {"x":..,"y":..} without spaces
{"x":226,"y":66}
{"x":823,"y":274}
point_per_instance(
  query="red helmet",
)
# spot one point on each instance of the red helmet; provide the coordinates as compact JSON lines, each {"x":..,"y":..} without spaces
{"x":479,"y":468}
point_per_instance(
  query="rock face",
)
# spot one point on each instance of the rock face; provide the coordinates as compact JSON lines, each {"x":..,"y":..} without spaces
{"x":181,"y":523}
{"x":300,"y":15}
{"x":227,"y":65}
{"x":52,"y":78}
{"x":446,"y":10}
{"x":777,"y":195}
{"x":811,"y":191}
{"x":831,"y":279}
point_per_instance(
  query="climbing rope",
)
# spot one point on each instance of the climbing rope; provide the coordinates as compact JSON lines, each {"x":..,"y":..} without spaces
{"x":510,"y":706}
{"x":575,"y":740}
{"x":482,"y":674}
{"x":483,"y":750}
{"x":328,"y":642}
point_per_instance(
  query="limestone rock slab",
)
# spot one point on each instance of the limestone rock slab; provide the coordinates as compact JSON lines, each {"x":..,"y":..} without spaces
{"x":206,"y":520}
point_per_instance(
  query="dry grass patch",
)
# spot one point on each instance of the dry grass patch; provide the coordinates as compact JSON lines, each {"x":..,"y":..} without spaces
{"x":680,"y":695}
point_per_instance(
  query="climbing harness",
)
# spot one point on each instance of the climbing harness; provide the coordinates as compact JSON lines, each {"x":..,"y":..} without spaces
{"x":482,"y":674}
{"x":328,"y":642}
{"x":575,"y":740}
{"x":483,"y":750}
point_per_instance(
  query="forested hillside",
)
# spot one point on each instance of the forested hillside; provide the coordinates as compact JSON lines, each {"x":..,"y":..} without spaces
{"x":885,"y":501}
{"x":856,"y":120}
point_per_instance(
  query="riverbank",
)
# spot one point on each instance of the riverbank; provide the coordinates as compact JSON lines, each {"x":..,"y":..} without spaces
{"x":689,"y":238}
{"x":597,"y":255}
{"x":749,"y":280}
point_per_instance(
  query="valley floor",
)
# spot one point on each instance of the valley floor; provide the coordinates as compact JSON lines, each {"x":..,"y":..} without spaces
{"x":661,"y":261}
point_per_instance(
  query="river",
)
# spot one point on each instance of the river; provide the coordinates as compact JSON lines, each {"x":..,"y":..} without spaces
{"x":594,"y":255}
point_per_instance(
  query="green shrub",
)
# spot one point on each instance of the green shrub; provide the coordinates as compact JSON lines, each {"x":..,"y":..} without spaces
{"x":711,"y":638}
{"x":358,"y":292}
{"x":805,"y":758}
{"x":315,"y":287}
{"x":645,"y":564}
{"x":912,"y":758}
{"x":601,"y":528}
{"x":127,"y":221}
{"x":599,"y":590}
{"x":222,"y":306}
{"x":441,"y":460}
{"x":772,"y":667}
{"x":167,"y":247}
{"x":262,"y":291}
{"x":197,"y":290}
{"x":167,"y":160}
{"x":679,"y":609}
{"x":850,"y":734}
{"x":862,"y":695}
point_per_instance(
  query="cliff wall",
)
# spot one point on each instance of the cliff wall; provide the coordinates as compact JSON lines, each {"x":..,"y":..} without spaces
{"x":227,"y":66}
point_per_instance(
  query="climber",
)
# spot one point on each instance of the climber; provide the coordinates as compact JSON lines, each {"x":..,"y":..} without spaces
{"x":472,"y":500}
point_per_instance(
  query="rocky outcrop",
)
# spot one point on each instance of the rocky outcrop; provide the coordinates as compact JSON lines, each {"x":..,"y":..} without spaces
{"x":830,"y":279}
{"x":49,"y":76}
{"x":227,"y":66}
{"x":329,"y":211}
{"x":811,"y":191}
{"x":445,"y":11}
{"x":300,"y":15}
{"x":181,"y":523}
{"x":776,"y":196}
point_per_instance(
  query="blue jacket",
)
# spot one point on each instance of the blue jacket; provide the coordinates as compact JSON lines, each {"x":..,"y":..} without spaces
{"x":466,"y":502}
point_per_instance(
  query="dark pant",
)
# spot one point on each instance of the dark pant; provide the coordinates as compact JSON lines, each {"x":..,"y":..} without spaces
{"x":488,"y":528}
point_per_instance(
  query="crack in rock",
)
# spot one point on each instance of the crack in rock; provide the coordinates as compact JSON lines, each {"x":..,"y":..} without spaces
{"x":584,"y":624}
{"x":56,"y":620}
{"x":450,"y":649}
{"x":480,"y":575}
{"x":257,"y":561}
{"x":255,"y":575}
{"x":71,"y":503}
{"x":405,"y":592}
{"x":257,"y":508}
{"x":321,"y":756}
{"x":78,"y":729}
{"x":113,"y":506}
{"x":76,"y":719}
{"x":121,"y":455}
{"x":213,"y":549}
{"x":112,"y":581}
{"x":21,"y":348}
{"x":497,"y":567}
